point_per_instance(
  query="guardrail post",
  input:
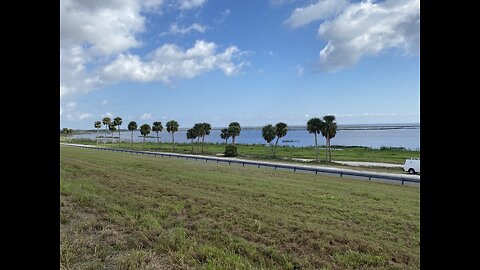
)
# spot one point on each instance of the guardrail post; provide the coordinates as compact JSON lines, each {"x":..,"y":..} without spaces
{"x":370,"y":178}
{"x":275,"y":167}
{"x":196,"y":158}
{"x":243,"y":164}
{"x":316,"y":172}
{"x":341,"y":174}
{"x":294,"y":169}
{"x":217,"y":161}
{"x":258,"y":165}
{"x":206,"y":160}
{"x":229,"y":162}
{"x":403,"y":181}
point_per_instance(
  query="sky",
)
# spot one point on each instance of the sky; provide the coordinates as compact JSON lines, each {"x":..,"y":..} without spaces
{"x":256,"y":62}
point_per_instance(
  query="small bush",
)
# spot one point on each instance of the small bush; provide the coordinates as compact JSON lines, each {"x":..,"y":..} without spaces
{"x":231,"y":151}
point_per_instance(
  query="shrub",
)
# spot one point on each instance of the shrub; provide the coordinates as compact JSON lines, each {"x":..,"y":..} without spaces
{"x":231,"y":151}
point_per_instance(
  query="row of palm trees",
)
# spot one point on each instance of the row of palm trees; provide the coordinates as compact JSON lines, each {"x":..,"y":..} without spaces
{"x":326,"y":126}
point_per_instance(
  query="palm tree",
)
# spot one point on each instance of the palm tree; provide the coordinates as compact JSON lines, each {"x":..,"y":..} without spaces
{"x":144,"y":130}
{"x":314,"y":126}
{"x":234,"y":130}
{"x":157,"y":127}
{"x":280,"y":131}
{"x":97,"y":125}
{"x":132,"y":126}
{"x":269,"y":133}
{"x":112,"y":128}
{"x":70,"y":132}
{"x":172,"y":127}
{"x":67,"y":132}
{"x":197,"y":129}
{"x":191,"y":135}
{"x":329,"y":130}
{"x":224,"y":135}
{"x":106,"y":121}
{"x":204,"y":129}
{"x":118,"y":122}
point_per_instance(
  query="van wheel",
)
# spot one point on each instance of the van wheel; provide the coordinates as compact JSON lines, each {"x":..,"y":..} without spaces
{"x":411,"y":171}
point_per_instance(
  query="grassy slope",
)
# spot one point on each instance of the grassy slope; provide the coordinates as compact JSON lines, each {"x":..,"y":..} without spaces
{"x":121,"y":211}
{"x":397,"y":156}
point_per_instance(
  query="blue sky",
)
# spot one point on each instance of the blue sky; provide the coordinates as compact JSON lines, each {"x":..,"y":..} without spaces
{"x":254,"y":62}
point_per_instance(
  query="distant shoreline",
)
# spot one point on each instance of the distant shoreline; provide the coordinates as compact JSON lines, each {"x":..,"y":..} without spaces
{"x":302,"y":127}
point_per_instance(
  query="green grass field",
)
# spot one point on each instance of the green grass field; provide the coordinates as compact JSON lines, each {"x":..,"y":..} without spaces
{"x":122,"y":211}
{"x":388,"y":155}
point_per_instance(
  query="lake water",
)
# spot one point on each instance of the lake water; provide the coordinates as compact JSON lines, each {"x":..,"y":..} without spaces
{"x":391,"y":137}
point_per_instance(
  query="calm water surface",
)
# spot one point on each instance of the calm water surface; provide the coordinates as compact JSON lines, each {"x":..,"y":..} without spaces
{"x":406,"y":137}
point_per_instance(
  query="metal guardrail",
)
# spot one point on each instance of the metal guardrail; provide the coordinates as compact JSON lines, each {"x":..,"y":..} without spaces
{"x":253,"y":163}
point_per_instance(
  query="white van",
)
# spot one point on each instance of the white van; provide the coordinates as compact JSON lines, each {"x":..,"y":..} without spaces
{"x":412,"y":165}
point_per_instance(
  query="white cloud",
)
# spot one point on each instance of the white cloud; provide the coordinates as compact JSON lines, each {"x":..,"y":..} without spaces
{"x":189,"y":4}
{"x":170,"y":61}
{"x":361,"y":28}
{"x":300,"y":70}
{"x":106,"y":26}
{"x":107,"y":114}
{"x":96,"y":36}
{"x":77,"y":116}
{"x":223,"y":15}
{"x":175,"y":29}
{"x":146,"y":116}
{"x":307,"y":115}
{"x":281,"y":2}
{"x":71,"y":105}
{"x":321,"y":10}
{"x":104,"y":102}
{"x":91,"y":31}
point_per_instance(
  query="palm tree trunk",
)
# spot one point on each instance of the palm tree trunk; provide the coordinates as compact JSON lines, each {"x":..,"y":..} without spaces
{"x":158,"y":140}
{"x":97,"y":136}
{"x":198,"y":142}
{"x":105,"y":139}
{"x":193,"y":151}
{"x":275,"y":149}
{"x":118,"y":136}
{"x":112,"y":138}
{"x":132,"y":139}
{"x":203,"y":139}
{"x":173,"y":141}
{"x":226,"y":141}
{"x":329,"y":151}
{"x":326,"y":148}
{"x":316,"y":146}
{"x":233,"y":140}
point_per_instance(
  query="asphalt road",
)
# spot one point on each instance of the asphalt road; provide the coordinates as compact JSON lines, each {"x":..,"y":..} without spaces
{"x":331,"y":170}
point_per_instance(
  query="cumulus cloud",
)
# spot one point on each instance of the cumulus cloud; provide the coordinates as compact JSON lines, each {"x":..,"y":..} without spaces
{"x":96,"y":38}
{"x":105,"y":26}
{"x":189,"y":4}
{"x":170,"y":61}
{"x":321,"y":10}
{"x":175,"y":29}
{"x":358,"y":29}
{"x":104,"y":102}
{"x":146,"y":116}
